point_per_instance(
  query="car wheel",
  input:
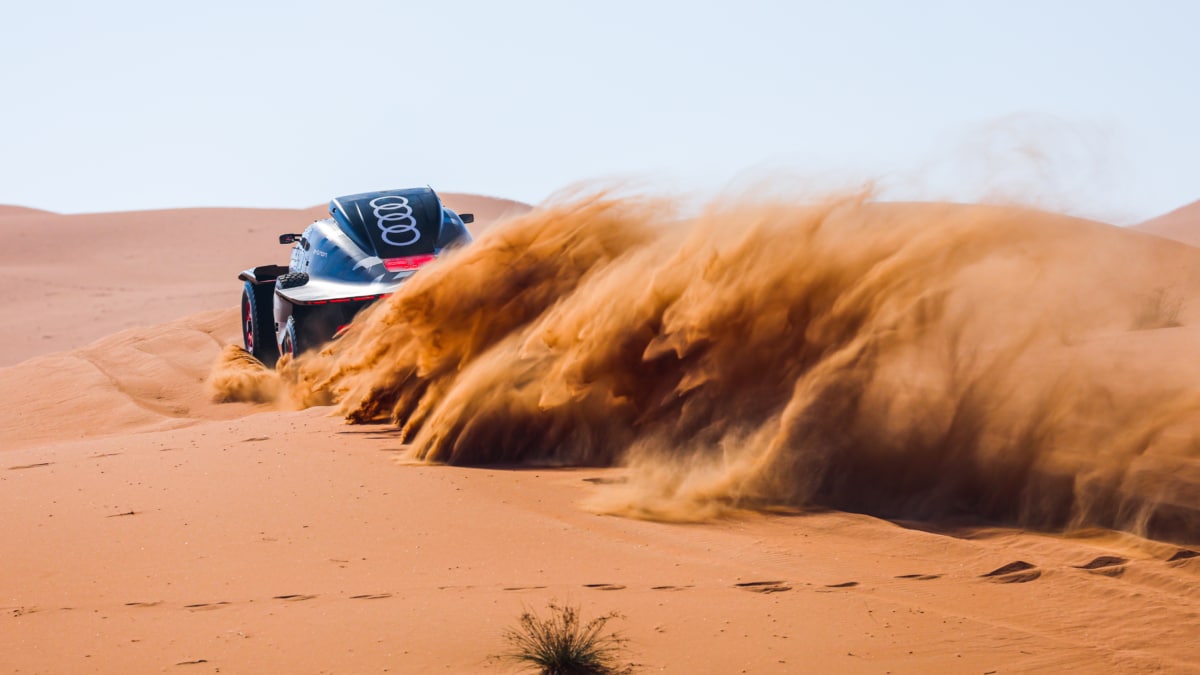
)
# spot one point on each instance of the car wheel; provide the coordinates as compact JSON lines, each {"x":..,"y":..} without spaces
{"x":292,"y":344}
{"x":258,"y":323}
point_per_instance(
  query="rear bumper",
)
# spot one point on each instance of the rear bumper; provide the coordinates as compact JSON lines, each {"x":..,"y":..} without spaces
{"x":321,"y":292}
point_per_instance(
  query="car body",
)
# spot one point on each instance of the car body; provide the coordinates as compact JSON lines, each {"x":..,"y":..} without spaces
{"x":370,"y":245}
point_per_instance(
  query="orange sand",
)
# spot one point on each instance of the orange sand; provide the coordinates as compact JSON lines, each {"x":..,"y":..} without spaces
{"x":147,"y":528}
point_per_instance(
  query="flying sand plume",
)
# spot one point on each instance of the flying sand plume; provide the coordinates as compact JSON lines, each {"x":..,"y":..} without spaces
{"x":241,"y":377}
{"x":897,"y":359}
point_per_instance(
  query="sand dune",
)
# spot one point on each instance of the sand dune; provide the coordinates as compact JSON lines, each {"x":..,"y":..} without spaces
{"x":74,"y":278}
{"x":1182,"y":224}
{"x":148,"y":528}
{"x":488,"y":210}
{"x":8,"y":210}
{"x":137,"y":380}
{"x":121,"y":275}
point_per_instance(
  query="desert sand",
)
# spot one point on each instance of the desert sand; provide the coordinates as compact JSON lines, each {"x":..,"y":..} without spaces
{"x":1180,"y":224}
{"x":148,"y":528}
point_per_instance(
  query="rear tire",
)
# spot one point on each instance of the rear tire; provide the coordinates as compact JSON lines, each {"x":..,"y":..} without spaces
{"x":258,"y":323}
{"x":288,"y":344}
{"x":296,"y":340}
{"x":308,"y":328}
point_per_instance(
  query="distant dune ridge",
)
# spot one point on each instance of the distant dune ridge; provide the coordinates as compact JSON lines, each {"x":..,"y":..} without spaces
{"x":126,"y":283}
{"x":905,"y":360}
{"x":7,"y":210}
{"x":71,"y":279}
{"x":1182,"y":224}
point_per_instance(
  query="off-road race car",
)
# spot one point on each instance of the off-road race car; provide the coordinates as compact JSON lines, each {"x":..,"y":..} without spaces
{"x":371,"y":243}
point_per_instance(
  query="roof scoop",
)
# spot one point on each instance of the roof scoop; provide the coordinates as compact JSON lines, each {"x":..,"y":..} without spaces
{"x":397,"y":223}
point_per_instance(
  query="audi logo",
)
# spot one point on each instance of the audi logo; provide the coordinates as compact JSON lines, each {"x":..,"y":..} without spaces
{"x":395,"y":218}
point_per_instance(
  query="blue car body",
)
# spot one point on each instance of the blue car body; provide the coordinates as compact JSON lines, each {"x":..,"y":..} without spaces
{"x":370,"y":245}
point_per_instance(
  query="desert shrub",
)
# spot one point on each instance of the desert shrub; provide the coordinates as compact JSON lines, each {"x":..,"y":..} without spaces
{"x":562,"y":644}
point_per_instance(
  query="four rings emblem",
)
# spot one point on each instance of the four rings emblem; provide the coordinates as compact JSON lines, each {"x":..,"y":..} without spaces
{"x":395,"y":220}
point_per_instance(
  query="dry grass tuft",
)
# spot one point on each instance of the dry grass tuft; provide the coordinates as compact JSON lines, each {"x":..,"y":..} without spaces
{"x":562,"y":644}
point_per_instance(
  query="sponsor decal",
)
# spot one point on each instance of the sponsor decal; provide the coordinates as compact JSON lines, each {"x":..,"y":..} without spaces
{"x":395,"y":220}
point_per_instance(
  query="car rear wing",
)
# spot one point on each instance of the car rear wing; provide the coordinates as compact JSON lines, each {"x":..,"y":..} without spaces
{"x":263,"y":274}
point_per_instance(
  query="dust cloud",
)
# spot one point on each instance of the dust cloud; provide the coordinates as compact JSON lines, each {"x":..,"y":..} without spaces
{"x":238,"y":376}
{"x":924,"y":361}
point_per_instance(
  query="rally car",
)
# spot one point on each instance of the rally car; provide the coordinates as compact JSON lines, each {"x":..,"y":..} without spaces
{"x":371,"y":243}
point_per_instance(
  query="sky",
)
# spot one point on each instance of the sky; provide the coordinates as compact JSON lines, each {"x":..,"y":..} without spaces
{"x":1090,"y":107}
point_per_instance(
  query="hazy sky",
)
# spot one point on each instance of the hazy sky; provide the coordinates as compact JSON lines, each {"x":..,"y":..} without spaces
{"x":1089,"y":106}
